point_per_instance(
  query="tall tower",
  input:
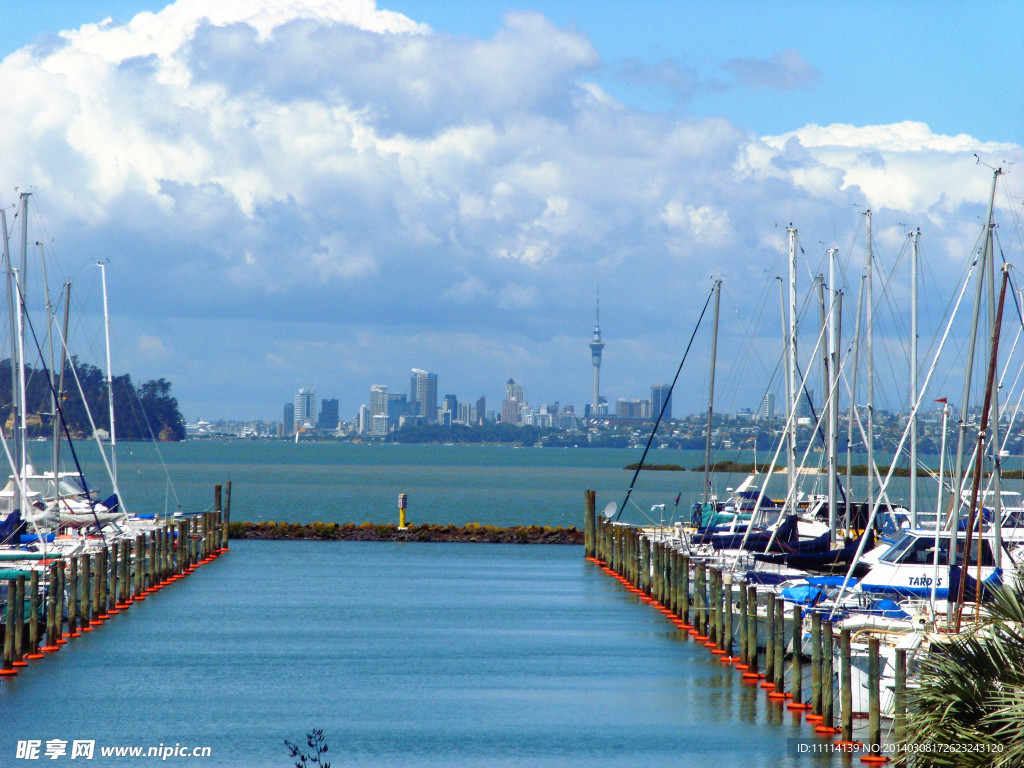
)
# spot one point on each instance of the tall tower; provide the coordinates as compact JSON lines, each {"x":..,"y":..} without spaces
{"x":596,"y":345}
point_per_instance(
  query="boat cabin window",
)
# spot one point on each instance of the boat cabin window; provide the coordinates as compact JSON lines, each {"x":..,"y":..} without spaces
{"x":892,"y":554}
{"x":920,"y":550}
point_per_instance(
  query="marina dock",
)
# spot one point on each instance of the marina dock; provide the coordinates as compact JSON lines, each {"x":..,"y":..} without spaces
{"x":746,"y":626}
{"x":51,"y":598}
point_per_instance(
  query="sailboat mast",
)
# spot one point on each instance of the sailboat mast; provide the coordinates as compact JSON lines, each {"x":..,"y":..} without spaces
{"x":913,"y":378}
{"x":711,"y":395}
{"x":791,"y":349}
{"x":20,"y":281}
{"x":978,"y":462}
{"x":51,"y":374}
{"x":58,"y":416}
{"x":938,"y":504}
{"x":853,"y":401}
{"x":833,"y":390}
{"x":110,"y":378}
{"x":8,"y":273}
{"x":958,"y":478}
{"x":870,"y":363}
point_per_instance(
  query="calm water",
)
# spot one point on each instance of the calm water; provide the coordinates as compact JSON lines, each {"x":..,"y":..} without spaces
{"x":458,"y":484}
{"x":406,"y":655}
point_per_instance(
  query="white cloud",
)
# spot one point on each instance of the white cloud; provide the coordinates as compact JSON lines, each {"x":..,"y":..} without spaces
{"x":151,"y":346}
{"x":267,"y":159}
{"x":904,"y":167}
{"x":785,"y":71}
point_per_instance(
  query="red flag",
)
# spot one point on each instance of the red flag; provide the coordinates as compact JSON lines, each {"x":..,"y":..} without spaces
{"x":941,"y":400}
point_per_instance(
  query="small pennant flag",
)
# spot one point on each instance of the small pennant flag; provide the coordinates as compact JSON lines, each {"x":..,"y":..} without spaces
{"x":941,"y":400}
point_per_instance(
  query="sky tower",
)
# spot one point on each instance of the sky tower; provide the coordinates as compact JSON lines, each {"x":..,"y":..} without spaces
{"x":596,"y":345}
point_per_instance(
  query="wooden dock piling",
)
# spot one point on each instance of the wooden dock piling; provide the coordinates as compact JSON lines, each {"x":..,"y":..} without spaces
{"x":19,"y":622}
{"x":769,"y":643}
{"x":32,"y":651}
{"x":700,"y":601}
{"x":726,"y":638}
{"x":742,"y":619}
{"x":874,"y":708}
{"x":714,"y":633}
{"x":73,"y":598}
{"x":85,"y":604}
{"x":751,"y":673}
{"x":50,"y":602}
{"x":827,"y":650}
{"x":815,"y":667}
{"x":900,"y":695}
{"x":845,"y":688}
{"x":225,"y":532}
{"x":684,"y":591}
{"x":589,"y":519}
{"x":8,"y":669}
{"x":797,"y":664}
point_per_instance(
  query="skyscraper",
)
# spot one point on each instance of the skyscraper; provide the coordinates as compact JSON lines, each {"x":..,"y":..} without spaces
{"x":509,"y":411}
{"x":289,"y":419}
{"x":378,"y":399}
{"x":398,"y":408}
{"x":424,"y":387}
{"x":451,"y":405}
{"x":329,"y":417}
{"x":514,"y":391}
{"x":596,"y":345}
{"x":661,"y":395}
{"x":305,"y":407}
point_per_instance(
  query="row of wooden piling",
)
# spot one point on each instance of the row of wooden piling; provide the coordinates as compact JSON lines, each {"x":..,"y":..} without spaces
{"x":701,"y":600}
{"x":83,"y":591}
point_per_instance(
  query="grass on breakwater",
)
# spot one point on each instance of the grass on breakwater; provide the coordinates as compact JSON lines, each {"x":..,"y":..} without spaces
{"x":472,"y":532}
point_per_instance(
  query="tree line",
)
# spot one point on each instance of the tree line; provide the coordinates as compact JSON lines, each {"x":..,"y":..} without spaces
{"x":146,"y":412}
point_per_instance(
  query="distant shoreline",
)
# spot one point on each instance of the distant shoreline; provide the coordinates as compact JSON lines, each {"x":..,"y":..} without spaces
{"x":471,"y":533}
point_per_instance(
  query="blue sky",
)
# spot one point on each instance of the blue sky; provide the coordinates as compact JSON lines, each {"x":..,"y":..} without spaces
{"x":953,"y":65}
{"x":312,"y":193}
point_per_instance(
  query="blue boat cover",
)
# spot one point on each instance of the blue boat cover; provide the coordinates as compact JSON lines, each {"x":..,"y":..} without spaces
{"x":32,"y":538}
{"x":804,"y":594}
{"x":890,"y":609}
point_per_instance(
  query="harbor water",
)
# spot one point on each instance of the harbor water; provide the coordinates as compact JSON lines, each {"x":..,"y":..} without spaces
{"x":414,"y":655}
{"x":408,"y":654}
{"x":447,"y":484}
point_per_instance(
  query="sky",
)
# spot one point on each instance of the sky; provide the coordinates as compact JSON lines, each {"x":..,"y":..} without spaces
{"x":328,"y":193}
